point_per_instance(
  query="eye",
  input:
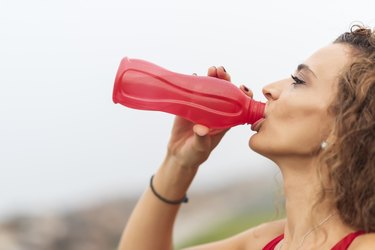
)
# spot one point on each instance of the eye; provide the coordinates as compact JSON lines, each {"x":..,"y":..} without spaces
{"x":297,"y":80}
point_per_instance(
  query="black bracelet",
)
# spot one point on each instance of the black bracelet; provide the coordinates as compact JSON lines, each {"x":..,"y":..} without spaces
{"x":176,"y":202}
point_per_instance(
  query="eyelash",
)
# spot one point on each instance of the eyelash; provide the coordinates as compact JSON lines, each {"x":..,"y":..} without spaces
{"x":297,"y":80}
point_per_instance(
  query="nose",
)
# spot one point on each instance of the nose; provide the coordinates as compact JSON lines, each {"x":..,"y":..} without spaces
{"x":272,"y":91}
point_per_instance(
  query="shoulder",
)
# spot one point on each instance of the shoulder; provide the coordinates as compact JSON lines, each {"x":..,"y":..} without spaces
{"x":269,"y":230}
{"x":252,"y":239}
{"x":364,"y":242}
{"x":260,"y":235}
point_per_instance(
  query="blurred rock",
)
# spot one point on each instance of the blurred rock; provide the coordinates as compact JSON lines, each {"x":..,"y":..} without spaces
{"x":99,"y":227}
{"x":95,"y":228}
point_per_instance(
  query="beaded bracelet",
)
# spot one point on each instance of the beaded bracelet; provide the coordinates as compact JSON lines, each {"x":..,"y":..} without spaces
{"x":175,"y":202}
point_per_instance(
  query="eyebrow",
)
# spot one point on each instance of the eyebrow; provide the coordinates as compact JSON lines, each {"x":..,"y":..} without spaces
{"x":306,"y":67}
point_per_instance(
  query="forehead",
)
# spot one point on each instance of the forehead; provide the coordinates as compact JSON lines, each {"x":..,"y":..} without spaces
{"x":329,"y":61}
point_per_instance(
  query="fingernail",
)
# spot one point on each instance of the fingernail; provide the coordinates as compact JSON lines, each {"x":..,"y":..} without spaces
{"x":224,"y":69}
{"x":245,"y":88}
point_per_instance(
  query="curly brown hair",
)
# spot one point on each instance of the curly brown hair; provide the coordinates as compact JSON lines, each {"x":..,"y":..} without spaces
{"x":351,"y":157}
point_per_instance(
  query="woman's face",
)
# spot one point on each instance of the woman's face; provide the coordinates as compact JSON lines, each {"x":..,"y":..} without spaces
{"x":297,"y":118}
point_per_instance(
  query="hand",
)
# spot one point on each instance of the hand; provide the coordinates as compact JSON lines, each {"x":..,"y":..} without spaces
{"x":191,"y":144}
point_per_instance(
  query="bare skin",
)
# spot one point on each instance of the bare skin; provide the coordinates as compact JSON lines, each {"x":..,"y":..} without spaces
{"x":296,"y":123}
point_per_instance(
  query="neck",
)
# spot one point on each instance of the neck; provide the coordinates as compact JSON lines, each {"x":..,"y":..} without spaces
{"x":301,"y":188}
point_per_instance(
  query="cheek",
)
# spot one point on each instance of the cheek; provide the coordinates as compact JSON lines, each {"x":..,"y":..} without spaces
{"x":297,"y":129}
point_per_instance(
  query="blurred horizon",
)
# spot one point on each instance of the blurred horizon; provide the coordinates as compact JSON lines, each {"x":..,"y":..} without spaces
{"x":237,"y":206}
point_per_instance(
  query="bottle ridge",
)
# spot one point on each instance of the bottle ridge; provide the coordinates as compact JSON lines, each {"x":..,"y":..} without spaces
{"x":210,"y":101}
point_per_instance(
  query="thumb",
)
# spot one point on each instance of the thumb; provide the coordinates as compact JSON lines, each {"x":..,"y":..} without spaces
{"x":200,"y":130}
{"x":201,"y":138}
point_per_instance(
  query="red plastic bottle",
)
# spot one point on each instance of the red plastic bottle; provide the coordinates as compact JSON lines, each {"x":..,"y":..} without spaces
{"x":209,"y":101}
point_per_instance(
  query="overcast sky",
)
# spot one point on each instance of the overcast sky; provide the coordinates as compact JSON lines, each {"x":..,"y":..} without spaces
{"x":63,"y":141}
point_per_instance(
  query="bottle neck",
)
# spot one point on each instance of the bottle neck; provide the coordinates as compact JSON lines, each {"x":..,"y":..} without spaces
{"x":255,"y":111}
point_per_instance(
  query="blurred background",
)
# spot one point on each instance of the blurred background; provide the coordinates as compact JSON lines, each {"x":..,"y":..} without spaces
{"x":73,"y":164}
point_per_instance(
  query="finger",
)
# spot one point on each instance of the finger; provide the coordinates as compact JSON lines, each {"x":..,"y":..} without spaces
{"x":222,"y":73}
{"x":212,"y":71}
{"x":201,"y":138}
{"x":246,"y":90}
{"x":201,"y":130}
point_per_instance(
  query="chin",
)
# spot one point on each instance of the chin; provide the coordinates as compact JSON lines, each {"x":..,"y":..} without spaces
{"x":259,"y":146}
{"x":254,"y":144}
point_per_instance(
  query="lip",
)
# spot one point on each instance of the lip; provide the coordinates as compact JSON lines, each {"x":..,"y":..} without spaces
{"x":256,"y":126}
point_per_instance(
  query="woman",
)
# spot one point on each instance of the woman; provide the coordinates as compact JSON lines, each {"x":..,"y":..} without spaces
{"x":319,"y":128}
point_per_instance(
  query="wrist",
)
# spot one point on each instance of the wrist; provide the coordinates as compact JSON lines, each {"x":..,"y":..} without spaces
{"x":172,"y":180}
{"x":184,"y":164}
{"x":164,"y":199}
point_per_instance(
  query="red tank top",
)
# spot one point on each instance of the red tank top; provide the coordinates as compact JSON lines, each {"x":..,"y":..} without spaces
{"x":341,"y":245}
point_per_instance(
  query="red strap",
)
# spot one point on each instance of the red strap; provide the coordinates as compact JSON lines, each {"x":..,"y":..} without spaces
{"x":271,"y":245}
{"x":347,"y":240}
{"x":341,"y":245}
